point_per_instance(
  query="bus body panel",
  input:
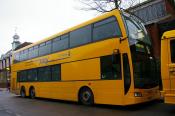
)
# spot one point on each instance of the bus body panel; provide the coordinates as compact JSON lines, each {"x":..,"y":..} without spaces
{"x":68,"y":90}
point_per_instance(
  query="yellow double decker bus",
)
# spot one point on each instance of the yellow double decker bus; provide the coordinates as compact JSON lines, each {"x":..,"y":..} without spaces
{"x":168,"y":66}
{"x":106,"y":60}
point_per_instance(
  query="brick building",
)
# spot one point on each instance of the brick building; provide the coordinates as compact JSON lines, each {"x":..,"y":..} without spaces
{"x":158,"y":16}
{"x":6,"y":61}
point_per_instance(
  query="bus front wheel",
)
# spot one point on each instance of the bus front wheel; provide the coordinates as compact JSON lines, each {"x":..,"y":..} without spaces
{"x":86,"y":96}
{"x":32,"y":92}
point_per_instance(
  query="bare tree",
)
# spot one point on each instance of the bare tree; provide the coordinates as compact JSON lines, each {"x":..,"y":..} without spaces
{"x":107,"y":5}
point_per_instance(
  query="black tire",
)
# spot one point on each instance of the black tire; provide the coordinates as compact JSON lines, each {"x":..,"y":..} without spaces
{"x":32,"y":93}
{"x":23,"y":92}
{"x":86,"y":96}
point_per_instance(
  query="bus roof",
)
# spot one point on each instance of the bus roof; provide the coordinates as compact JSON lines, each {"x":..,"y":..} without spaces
{"x":69,"y":30}
{"x":169,"y":34}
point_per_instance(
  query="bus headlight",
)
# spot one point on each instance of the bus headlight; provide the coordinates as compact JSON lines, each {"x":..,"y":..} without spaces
{"x":137,"y":94}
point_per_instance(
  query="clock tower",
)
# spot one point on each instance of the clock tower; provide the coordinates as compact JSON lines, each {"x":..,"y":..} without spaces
{"x":16,"y":41}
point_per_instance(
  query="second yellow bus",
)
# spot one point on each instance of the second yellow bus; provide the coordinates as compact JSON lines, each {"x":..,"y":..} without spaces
{"x":168,"y":66}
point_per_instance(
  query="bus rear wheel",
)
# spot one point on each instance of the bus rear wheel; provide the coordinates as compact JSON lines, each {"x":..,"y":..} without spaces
{"x":23,"y":92}
{"x":86,"y":96}
{"x":32,"y":92}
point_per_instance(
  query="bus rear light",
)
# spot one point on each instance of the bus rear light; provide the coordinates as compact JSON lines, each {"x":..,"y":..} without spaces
{"x":138,"y":94}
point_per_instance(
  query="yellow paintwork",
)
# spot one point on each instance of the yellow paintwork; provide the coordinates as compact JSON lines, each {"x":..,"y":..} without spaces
{"x":80,"y":67}
{"x":167,"y":68}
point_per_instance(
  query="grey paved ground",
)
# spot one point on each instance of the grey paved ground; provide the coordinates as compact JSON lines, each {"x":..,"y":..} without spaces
{"x":11,"y":105}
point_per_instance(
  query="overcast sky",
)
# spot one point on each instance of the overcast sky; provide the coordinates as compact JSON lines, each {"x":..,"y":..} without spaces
{"x":38,"y":19}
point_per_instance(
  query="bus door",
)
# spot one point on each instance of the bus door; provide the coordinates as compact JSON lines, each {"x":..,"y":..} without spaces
{"x":127,"y":73}
{"x":172,"y":64}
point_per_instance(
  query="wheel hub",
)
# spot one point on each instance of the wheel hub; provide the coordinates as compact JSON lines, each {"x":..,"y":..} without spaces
{"x":86,"y":96}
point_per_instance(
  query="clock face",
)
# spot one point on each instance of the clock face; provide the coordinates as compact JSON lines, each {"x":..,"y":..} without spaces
{"x":16,"y":37}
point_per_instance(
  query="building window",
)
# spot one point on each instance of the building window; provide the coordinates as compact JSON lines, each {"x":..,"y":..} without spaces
{"x":7,"y":62}
{"x":1,"y":65}
{"x":152,"y":12}
{"x":4,"y":63}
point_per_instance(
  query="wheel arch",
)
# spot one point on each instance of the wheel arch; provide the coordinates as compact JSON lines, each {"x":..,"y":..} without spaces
{"x":22,"y":87}
{"x":31,"y":87}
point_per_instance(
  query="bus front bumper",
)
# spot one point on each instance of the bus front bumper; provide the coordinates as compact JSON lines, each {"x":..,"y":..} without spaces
{"x":169,"y":98}
{"x":142,"y":96}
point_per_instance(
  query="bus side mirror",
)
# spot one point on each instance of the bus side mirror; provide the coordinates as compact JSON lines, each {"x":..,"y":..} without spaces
{"x":122,"y":39}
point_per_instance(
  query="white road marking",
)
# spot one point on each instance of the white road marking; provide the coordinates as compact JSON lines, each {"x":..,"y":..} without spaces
{"x":17,"y":115}
{"x":10,"y":112}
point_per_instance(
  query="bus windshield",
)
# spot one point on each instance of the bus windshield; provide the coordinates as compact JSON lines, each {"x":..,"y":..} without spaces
{"x":144,"y":64}
{"x":136,"y":30}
